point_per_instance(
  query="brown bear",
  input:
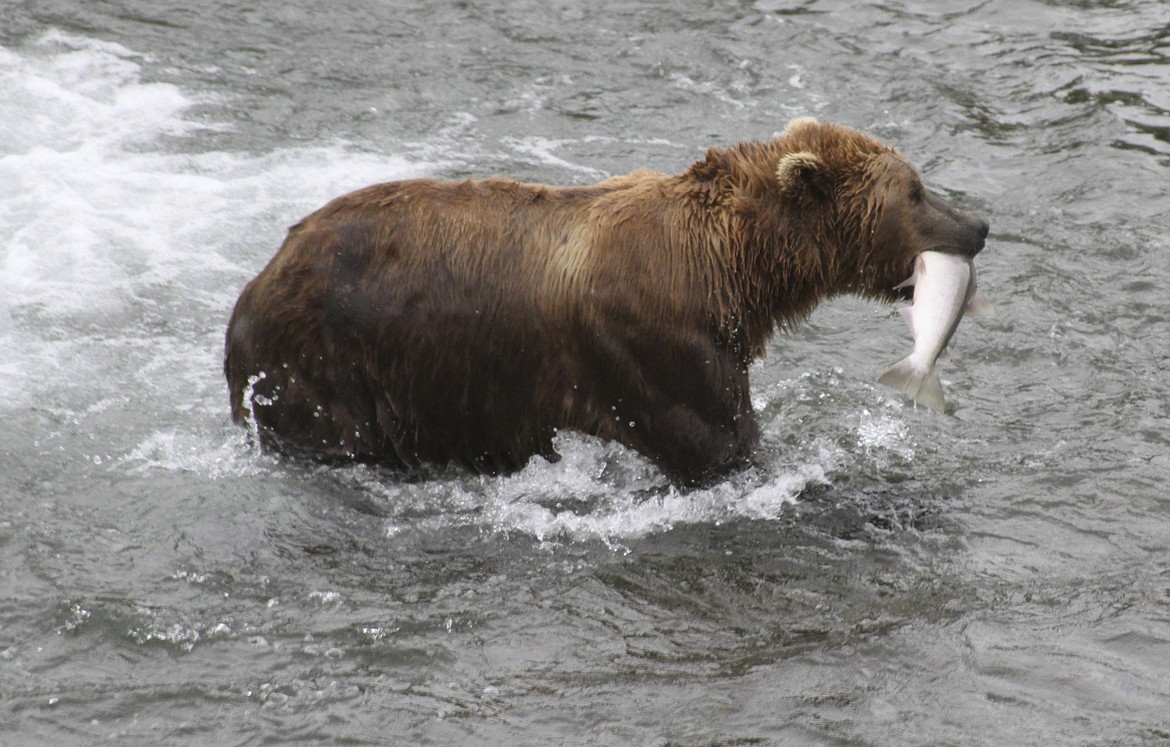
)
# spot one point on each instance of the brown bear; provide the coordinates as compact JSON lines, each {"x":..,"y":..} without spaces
{"x":467,"y":322}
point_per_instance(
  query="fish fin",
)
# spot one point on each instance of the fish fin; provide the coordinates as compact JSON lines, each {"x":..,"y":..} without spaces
{"x":919,"y":268}
{"x":979,"y":305}
{"x":922,"y":385}
{"x":907,"y":313}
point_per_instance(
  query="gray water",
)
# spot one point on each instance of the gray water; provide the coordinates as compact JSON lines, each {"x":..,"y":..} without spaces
{"x":883,"y":576}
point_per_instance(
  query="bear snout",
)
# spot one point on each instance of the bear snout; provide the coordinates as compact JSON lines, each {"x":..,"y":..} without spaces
{"x":972,"y":234}
{"x":983,"y":228}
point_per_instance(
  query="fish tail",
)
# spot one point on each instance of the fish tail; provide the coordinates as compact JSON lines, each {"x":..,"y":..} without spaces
{"x":920,"y":383}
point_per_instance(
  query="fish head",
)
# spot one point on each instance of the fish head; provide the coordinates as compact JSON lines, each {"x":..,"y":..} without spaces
{"x":907,"y":219}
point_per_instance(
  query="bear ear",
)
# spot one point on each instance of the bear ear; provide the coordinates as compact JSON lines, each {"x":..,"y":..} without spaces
{"x":798,"y":170}
{"x":798,"y":123}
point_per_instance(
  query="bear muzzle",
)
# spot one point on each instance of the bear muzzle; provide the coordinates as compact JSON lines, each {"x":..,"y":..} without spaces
{"x":954,"y":231}
{"x":982,"y":229}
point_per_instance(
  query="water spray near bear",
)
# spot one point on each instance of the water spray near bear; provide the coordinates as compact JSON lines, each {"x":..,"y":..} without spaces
{"x":467,"y":322}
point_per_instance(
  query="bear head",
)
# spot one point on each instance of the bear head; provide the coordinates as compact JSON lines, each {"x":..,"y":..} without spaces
{"x":871,"y":204}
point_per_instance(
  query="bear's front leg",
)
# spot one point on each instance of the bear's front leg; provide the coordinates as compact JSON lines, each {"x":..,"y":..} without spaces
{"x":685,"y":405}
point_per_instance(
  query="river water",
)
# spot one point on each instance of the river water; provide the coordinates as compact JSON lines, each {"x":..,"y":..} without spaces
{"x":883,"y":576}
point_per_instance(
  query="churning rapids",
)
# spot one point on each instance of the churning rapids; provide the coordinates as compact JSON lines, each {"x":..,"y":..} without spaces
{"x":884,"y":575}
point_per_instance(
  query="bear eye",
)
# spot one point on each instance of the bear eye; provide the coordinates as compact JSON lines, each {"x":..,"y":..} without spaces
{"x":916,"y":193}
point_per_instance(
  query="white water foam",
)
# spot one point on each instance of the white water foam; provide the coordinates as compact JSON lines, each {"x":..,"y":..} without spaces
{"x":597,"y":491}
{"x":884,"y":436}
{"x":116,"y":252}
{"x":89,"y":208}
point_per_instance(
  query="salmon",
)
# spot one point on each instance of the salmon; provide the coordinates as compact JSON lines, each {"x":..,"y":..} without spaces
{"x":944,"y":290}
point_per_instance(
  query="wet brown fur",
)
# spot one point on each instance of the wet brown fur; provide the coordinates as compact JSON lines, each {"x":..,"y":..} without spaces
{"x":437,"y":322}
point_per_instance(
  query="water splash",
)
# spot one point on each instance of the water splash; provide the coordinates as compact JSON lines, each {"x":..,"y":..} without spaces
{"x":120,"y":257}
{"x":216,"y":456}
{"x":597,"y":492}
{"x":884,"y":435}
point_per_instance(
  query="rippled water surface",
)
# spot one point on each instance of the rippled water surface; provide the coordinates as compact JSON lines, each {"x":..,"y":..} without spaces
{"x":883,"y":576}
